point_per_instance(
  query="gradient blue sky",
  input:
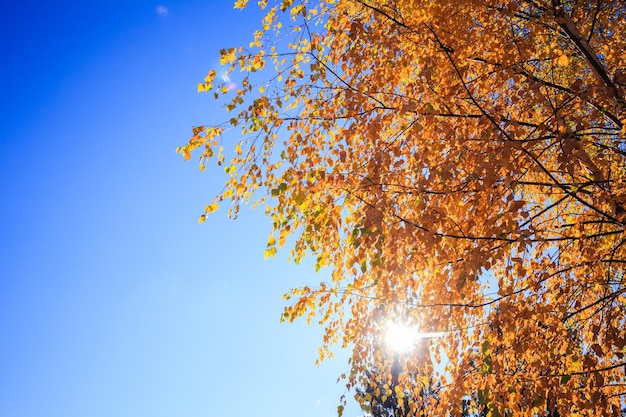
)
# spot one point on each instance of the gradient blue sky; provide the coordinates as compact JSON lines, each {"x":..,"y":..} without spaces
{"x":114,"y":301}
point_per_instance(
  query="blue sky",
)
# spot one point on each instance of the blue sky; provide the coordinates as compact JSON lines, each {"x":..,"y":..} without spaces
{"x":114,"y":301}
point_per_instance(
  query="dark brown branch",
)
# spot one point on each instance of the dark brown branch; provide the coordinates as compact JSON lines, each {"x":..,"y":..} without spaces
{"x":569,"y":27}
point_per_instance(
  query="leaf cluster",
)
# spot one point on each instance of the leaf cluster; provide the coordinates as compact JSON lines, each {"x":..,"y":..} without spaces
{"x":457,"y":164}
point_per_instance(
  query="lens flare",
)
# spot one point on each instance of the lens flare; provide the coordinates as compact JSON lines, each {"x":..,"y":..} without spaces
{"x":230,"y":85}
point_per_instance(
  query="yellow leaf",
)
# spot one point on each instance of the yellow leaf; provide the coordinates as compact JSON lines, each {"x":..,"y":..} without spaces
{"x":227,"y":56}
{"x":285,"y":4}
{"x":211,"y":208}
{"x":210,"y":76}
{"x":269,"y":253}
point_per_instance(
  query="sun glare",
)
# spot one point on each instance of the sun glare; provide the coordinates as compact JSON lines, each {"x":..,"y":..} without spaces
{"x":400,"y":337}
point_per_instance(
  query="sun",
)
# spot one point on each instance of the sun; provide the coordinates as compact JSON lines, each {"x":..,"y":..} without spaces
{"x":401,"y":337}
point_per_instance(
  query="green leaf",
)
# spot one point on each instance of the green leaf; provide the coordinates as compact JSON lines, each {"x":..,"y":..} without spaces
{"x":487,"y":366}
{"x":493,"y":411}
{"x":483,"y":396}
{"x":485,"y":347}
{"x":299,"y":198}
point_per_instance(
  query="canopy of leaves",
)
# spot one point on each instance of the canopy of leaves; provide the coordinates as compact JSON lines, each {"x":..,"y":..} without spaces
{"x":460,"y":164}
{"x":385,"y":397}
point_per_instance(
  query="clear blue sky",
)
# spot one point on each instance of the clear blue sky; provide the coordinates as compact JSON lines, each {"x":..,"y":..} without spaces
{"x":114,"y":301}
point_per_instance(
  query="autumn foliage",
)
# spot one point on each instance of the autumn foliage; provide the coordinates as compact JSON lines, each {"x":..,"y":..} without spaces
{"x":457,"y":164}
